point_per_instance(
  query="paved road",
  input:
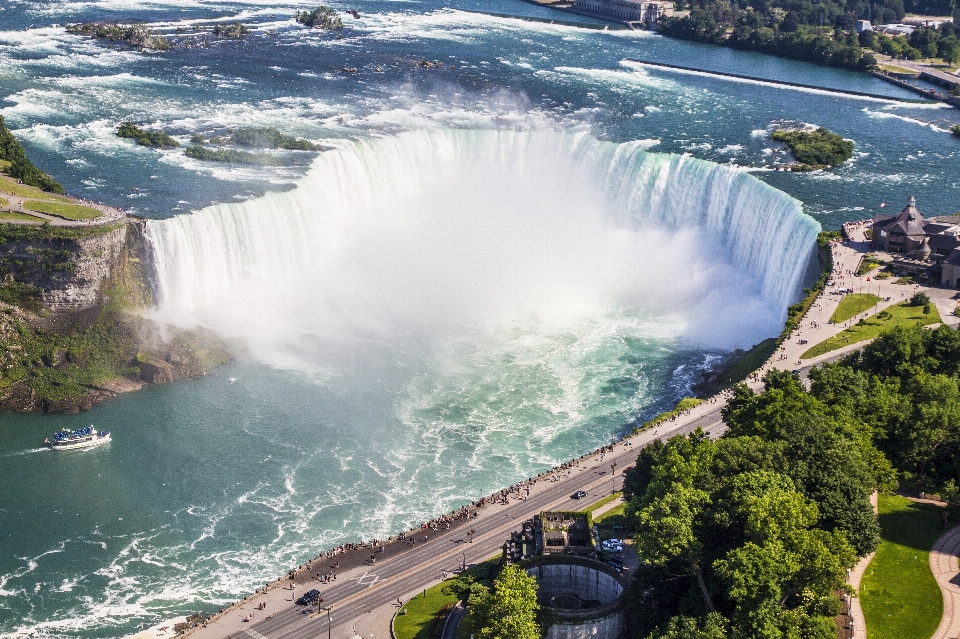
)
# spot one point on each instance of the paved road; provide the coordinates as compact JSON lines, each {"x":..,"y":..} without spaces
{"x":362,"y":591}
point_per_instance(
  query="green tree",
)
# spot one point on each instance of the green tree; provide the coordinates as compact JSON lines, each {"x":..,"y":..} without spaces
{"x":510,"y":611}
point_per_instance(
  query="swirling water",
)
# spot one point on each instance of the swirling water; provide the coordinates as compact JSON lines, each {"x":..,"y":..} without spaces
{"x":363,"y":409}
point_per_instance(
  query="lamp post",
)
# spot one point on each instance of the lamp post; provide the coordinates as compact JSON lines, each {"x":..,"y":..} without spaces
{"x":613,"y":477}
{"x":328,"y":620}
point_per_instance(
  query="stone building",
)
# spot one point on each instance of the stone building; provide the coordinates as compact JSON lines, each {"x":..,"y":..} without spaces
{"x":925,"y":248}
{"x":649,"y":11}
{"x":566,"y":532}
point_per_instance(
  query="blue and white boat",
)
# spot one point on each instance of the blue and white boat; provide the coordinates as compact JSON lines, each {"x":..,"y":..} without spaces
{"x":73,"y":439}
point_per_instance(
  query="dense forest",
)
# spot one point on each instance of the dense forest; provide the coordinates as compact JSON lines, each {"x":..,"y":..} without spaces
{"x":820,"y":32}
{"x":749,"y":535}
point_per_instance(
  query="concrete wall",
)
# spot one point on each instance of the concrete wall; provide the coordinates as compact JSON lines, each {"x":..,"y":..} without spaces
{"x":582,"y":581}
{"x":608,"y":627}
{"x":587,"y":583}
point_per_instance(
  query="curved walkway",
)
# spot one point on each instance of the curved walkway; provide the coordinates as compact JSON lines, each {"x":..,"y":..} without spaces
{"x":944,"y":565}
{"x":108,"y":214}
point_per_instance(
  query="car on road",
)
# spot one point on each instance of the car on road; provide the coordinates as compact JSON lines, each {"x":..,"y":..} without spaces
{"x":580,"y":494}
{"x":309,"y":597}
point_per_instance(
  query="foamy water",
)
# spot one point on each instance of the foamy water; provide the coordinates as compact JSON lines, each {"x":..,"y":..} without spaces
{"x":490,"y":330}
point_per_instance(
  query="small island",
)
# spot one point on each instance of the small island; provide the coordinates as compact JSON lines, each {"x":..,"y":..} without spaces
{"x":138,"y":35}
{"x":323,"y":17}
{"x":252,"y":137}
{"x":143,"y":137}
{"x":813,"y":150}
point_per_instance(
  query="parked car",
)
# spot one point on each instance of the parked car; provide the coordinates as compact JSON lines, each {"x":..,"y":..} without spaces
{"x":309,"y":597}
{"x":580,"y":494}
{"x":612,"y":545}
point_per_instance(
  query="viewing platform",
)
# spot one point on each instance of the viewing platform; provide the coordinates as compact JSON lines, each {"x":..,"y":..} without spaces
{"x":27,"y":205}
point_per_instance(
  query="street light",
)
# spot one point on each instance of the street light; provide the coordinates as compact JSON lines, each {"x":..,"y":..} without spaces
{"x":328,"y":619}
{"x":613,"y":477}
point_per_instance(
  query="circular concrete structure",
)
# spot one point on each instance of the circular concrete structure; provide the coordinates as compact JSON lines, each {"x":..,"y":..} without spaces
{"x":585,"y":597}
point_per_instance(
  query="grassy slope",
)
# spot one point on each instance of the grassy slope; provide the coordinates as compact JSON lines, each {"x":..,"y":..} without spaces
{"x":682,"y":405}
{"x":16,"y":215}
{"x":900,"y":597}
{"x":899,"y":314}
{"x":9,"y":185}
{"x":414,"y":619}
{"x":852,"y":305}
{"x":420,"y":610}
{"x":67,"y":211}
{"x":606,"y":500}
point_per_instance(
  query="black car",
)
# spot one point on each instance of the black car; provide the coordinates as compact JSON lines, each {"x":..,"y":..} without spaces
{"x":310,"y":597}
{"x":580,"y":494}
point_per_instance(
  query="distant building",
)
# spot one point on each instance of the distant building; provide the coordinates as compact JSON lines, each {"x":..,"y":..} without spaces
{"x":894,"y":30}
{"x":927,"y":248}
{"x":627,"y":10}
{"x":863,"y":25}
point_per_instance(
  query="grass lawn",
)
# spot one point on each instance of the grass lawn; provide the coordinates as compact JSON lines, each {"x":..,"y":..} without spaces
{"x":415,"y":617}
{"x":3,"y":202}
{"x":67,"y":211}
{"x":852,"y":305}
{"x":9,"y":185}
{"x":421,"y":610}
{"x":613,"y":512}
{"x":16,"y":215}
{"x":605,"y":500}
{"x":899,"y":314}
{"x":900,"y":597}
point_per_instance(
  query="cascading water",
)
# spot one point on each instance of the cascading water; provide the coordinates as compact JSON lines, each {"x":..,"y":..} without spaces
{"x":429,"y":230}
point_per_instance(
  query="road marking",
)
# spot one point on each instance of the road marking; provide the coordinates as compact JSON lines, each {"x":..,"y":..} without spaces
{"x":360,"y":582}
{"x":253,"y":633}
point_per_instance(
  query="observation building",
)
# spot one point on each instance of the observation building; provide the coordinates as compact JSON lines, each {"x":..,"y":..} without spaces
{"x":925,"y":248}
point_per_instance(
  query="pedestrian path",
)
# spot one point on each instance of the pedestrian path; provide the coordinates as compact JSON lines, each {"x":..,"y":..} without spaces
{"x":944,"y":564}
{"x":108,"y":214}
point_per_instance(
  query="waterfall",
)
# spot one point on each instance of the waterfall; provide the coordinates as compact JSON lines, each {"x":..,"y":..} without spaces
{"x":427,"y":226}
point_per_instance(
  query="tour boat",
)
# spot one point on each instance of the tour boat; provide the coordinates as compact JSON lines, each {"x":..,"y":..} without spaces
{"x":73,"y":439}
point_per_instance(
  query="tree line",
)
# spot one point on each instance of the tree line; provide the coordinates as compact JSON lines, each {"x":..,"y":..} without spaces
{"x":749,"y":535}
{"x":819,"y":32}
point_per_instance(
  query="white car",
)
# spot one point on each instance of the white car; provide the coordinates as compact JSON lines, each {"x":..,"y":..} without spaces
{"x":614,"y":545}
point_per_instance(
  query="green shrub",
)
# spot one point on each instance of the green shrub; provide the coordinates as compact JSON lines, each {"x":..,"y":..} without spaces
{"x":231,"y":155}
{"x":323,"y":17}
{"x":270,"y":138}
{"x":144,"y":137}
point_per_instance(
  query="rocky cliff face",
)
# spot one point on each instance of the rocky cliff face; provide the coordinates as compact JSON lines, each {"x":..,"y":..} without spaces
{"x":68,"y":269}
{"x":70,"y":331}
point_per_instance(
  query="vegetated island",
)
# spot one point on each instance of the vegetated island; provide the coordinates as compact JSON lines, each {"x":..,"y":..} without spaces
{"x":231,"y":30}
{"x":252,"y":137}
{"x":323,"y":17}
{"x":71,"y":334}
{"x":143,"y":137}
{"x":956,"y":130}
{"x":813,"y":150}
{"x":138,"y":35}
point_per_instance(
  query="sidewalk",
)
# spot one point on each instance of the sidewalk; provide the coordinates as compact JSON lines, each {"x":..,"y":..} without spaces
{"x":944,"y":565}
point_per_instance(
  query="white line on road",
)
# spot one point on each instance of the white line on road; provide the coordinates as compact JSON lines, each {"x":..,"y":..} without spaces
{"x":253,"y":633}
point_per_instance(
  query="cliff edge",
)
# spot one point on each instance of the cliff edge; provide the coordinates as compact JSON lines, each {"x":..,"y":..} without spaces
{"x":70,"y":324}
